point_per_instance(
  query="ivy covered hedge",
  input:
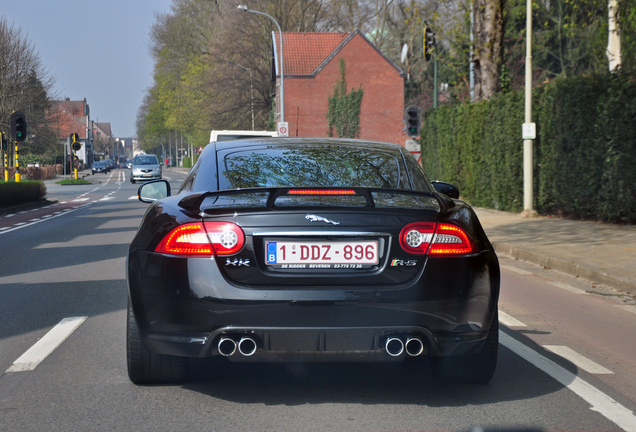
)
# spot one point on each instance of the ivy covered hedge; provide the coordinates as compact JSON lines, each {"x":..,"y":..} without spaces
{"x":12,"y":193}
{"x":584,"y":154}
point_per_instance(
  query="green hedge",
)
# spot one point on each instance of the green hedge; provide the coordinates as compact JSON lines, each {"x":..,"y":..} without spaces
{"x":584,"y":154}
{"x":12,"y":193}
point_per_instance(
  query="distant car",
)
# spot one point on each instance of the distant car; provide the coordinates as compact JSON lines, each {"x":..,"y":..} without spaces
{"x":99,"y":167}
{"x":145,"y":167}
{"x":111,"y":164}
{"x":310,"y":249}
{"x":129,"y":164}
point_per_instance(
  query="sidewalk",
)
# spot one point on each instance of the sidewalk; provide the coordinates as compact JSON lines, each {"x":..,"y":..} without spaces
{"x":598,"y":252}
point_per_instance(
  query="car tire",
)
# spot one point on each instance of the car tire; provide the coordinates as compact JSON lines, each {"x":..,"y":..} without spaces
{"x":132,"y":181}
{"x":474,"y":368}
{"x":147,"y":368}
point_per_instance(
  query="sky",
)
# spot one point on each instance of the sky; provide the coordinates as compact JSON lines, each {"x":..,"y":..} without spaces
{"x":96,"y":50}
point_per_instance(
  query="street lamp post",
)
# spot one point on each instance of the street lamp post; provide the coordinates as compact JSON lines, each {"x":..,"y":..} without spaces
{"x":282,"y":73}
{"x":529,"y":128}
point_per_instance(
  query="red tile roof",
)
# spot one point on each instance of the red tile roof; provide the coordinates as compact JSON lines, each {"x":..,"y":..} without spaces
{"x":304,"y":52}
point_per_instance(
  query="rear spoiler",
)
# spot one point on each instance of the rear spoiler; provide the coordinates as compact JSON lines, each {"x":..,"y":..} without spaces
{"x":193,"y":202}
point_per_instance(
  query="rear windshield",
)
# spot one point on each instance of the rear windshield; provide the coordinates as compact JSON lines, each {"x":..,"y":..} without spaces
{"x":329,"y":166}
{"x":145,"y":160}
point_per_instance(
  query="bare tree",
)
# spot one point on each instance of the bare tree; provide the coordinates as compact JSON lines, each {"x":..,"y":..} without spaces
{"x":488,"y":31}
{"x":24,"y":86}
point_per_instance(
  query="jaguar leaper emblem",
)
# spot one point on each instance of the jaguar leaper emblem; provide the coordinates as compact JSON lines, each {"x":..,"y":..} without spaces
{"x":314,"y":218}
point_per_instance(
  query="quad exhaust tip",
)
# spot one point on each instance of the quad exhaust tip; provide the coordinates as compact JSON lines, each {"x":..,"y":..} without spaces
{"x":394,"y":347}
{"x":247,"y":346}
{"x":414,"y":347}
{"x":227,"y":347}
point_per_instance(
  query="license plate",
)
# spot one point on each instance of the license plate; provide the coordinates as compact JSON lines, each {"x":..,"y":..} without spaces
{"x":146,"y":175}
{"x":344,"y":254}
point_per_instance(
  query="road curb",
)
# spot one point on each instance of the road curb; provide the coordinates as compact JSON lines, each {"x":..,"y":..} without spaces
{"x":578,"y":270}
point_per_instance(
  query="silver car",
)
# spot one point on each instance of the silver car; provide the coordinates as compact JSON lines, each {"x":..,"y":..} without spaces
{"x":145,"y":167}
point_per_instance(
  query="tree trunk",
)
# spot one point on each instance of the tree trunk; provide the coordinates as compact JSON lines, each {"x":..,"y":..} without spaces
{"x":614,"y":42}
{"x":488,"y":31}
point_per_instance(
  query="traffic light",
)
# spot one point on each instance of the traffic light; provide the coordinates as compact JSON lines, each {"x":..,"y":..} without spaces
{"x":18,"y":126}
{"x":413,"y":120}
{"x":429,"y":42}
{"x":4,"y":141}
{"x":76,"y":145}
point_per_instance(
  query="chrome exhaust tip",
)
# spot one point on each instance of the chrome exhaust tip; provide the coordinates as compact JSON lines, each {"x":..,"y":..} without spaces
{"x":247,"y":346}
{"x":227,"y":347}
{"x":394,"y":347}
{"x":414,"y":347}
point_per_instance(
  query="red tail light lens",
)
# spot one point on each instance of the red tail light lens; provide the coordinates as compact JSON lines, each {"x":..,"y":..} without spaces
{"x":451,"y":240}
{"x":189,"y":239}
{"x":226,"y":238}
{"x":196,"y":239}
{"x":415,"y":238}
{"x":435,"y":239}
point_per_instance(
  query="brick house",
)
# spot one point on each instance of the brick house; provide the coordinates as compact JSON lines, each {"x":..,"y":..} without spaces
{"x":67,"y":117}
{"x":312,"y":69}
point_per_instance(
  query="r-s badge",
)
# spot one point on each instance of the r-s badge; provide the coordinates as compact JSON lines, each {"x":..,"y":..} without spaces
{"x":397,"y":262}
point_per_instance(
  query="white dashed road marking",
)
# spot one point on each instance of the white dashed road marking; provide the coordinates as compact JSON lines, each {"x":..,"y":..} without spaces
{"x":45,"y":346}
{"x":600,"y":402}
{"x":509,"y":321}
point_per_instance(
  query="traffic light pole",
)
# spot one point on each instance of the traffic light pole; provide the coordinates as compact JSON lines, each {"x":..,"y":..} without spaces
{"x":435,"y":96}
{"x":17,"y":163}
{"x":5,"y":152}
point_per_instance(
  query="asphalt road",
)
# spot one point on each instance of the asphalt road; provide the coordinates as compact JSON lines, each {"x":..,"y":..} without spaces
{"x":62,"y":348}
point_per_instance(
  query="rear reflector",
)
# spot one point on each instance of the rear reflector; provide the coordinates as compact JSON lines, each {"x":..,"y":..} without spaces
{"x":196,"y":239}
{"x":435,"y":239}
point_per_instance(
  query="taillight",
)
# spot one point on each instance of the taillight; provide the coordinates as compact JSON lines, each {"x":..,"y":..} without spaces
{"x":192,"y":239}
{"x":227,"y":238}
{"x":435,"y":239}
{"x":189,"y":239}
{"x":451,"y":240}
{"x":415,"y":238}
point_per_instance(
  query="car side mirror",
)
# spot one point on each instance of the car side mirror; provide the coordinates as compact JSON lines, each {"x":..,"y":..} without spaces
{"x":447,"y":189}
{"x":153,"y":190}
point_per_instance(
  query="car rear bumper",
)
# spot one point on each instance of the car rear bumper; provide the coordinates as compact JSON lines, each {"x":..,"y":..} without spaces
{"x":188,"y":308}
{"x":143,"y":177}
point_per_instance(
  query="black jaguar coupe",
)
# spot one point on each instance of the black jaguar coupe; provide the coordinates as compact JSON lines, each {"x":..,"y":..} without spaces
{"x":310,"y":249}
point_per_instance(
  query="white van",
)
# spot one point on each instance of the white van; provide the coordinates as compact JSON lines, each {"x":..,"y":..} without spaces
{"x":230,"y":135}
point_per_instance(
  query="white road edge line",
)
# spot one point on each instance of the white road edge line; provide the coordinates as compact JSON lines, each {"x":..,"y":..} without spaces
{"x":628,"y":308}
{"x":516,"y":270}
{"x":24,"y":224}
{"x":509,"y":321}
{"x":601,"y":403}
{"x":45,"y":346}
{"x":579,"y":360}
{"x":567,"y":287}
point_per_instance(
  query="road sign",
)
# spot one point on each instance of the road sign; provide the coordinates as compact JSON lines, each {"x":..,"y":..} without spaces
{"x":283,"y":129}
